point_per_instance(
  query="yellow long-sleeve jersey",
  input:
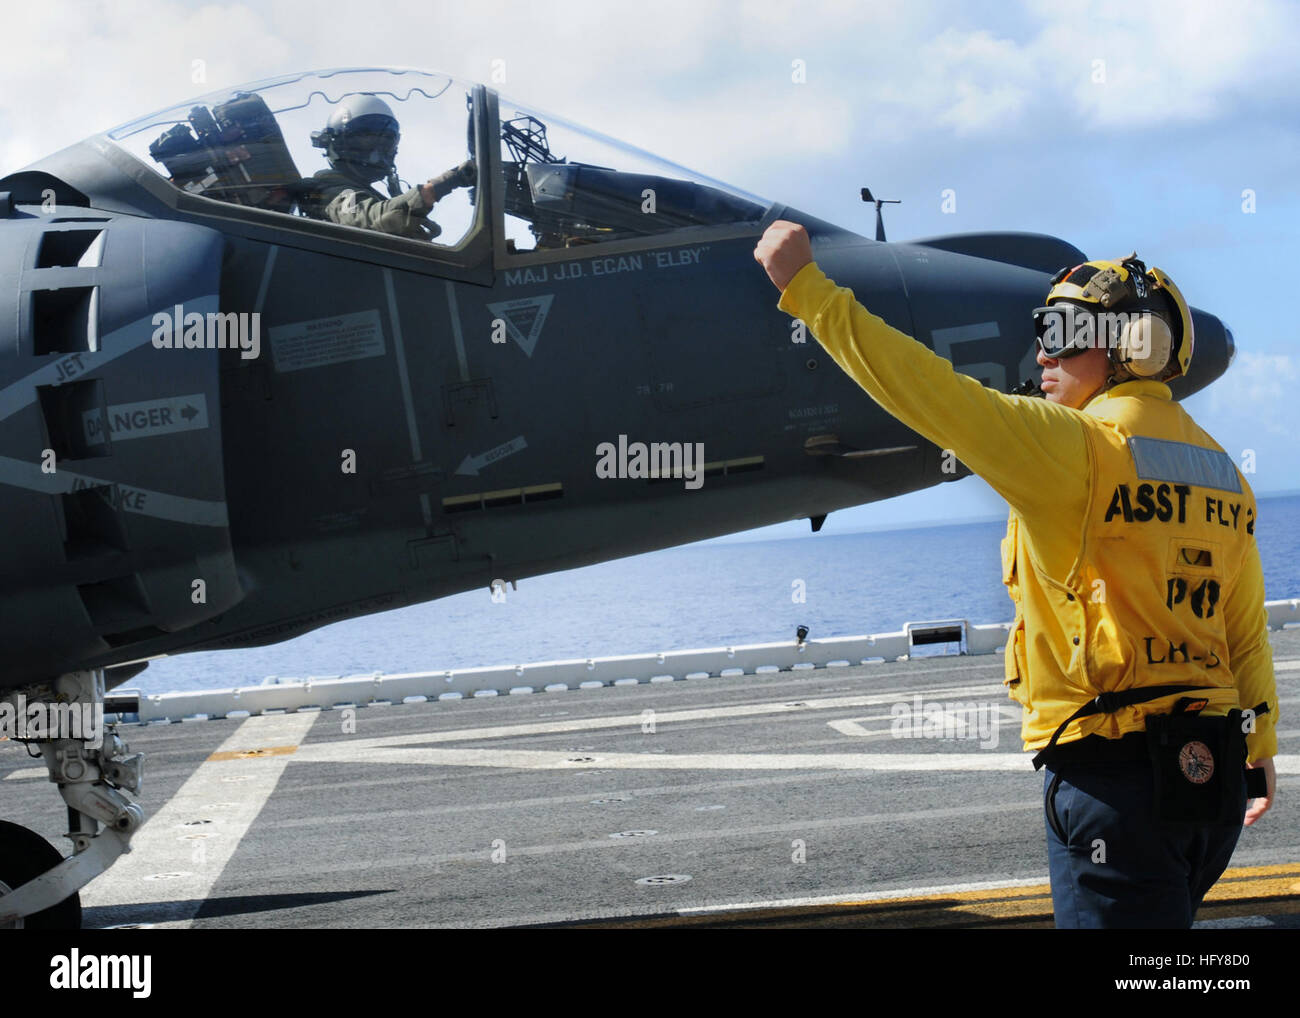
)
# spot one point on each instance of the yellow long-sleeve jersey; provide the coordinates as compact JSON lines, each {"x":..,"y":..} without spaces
{"x":1130,"y":552}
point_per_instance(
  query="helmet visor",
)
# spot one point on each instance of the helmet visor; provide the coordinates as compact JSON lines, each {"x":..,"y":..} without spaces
{"x":371,"y":140}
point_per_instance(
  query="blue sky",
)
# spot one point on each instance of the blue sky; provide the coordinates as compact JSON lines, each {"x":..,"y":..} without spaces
{"x":1114,"y":125}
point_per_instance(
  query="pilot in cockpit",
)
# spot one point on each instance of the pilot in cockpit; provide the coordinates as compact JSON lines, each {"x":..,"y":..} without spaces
{"x":360,"y":142}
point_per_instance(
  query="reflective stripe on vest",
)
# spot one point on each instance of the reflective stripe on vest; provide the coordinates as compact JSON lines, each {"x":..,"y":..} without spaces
{"x":1158,"y":459}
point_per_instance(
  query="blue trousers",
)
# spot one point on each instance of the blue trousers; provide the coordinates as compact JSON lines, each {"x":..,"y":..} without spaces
{"x":1113,"y":865}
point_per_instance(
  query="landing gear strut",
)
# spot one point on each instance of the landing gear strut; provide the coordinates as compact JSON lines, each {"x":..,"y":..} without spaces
{"x":38,"y":887}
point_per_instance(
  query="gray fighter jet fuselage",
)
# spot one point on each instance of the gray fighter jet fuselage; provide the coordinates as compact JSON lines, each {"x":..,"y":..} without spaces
{"x":239,"y":399}
{"x":407,"y":420}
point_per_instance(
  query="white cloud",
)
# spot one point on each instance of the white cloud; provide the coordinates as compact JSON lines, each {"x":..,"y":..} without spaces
{"x":982,"y":82}
{"x":1252,"y":411}
{"x":73,"y":69}
{"x":1165,"y":61}
{"x":1262,"y":387}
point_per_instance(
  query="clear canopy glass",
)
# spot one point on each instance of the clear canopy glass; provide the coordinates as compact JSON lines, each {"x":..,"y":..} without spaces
{"x":280,"y":145}
{"x":566,"y":186}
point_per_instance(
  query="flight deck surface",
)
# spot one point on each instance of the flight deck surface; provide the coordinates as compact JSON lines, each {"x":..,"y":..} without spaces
{"x":880,"y":795}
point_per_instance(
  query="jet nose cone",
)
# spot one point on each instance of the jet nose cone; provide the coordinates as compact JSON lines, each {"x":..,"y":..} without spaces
{"x":1231,"y":343}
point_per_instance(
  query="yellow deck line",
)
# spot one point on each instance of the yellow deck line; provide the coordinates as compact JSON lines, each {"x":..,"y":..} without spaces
{"x":252,"y":754}
{"x":1243,"y":891}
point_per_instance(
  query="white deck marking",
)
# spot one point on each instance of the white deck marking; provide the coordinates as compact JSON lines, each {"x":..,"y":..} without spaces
{"x":540,"y":759}
{"x":422,"y":748}
{"x":27,"y":772}
{"x":635,"y":721}
{"x":161,"y":845}
{"x":963,"y":728}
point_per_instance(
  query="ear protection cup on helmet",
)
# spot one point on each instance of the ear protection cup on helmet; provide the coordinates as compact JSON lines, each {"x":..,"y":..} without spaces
{"x":1143,"y":345}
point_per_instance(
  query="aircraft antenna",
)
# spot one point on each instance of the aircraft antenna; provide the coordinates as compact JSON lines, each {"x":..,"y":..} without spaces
{"x":880,"y":220}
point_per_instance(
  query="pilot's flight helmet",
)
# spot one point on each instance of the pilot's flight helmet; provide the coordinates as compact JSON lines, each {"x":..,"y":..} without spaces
{"x":1155,"y":338}
{"x":361,"y":135}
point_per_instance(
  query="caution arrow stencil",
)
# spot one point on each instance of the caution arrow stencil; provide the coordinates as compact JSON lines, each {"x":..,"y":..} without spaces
{"x":524,"y":318}
{"x":471,"y":465}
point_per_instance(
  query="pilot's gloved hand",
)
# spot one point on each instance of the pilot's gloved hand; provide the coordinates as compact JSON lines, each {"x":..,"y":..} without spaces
{"x":442,"y":185}
{"x":468,"y":171}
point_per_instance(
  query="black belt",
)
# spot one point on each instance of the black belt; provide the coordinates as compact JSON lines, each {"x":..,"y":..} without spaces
{"x":1131,"y":748}
{"x":1108,"y":703}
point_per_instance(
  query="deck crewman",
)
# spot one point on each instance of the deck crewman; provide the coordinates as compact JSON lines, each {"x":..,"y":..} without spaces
{"x":1139,"y":649}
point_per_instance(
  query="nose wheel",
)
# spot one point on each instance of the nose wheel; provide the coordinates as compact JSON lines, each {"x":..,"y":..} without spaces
{"x":25,"y":855}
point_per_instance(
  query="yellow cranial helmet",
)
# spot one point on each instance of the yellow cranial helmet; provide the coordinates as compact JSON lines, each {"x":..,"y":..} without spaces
{"x":1139,"y":315}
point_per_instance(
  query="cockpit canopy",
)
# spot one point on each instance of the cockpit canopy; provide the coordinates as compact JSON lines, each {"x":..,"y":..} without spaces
{"x":560,"y":185}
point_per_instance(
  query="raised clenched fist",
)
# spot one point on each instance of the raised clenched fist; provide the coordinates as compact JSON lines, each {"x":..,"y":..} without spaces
{"x":783,"y":250}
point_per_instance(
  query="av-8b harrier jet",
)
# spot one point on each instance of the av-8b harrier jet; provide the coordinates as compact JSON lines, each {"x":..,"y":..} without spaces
{"x":243,"y":396}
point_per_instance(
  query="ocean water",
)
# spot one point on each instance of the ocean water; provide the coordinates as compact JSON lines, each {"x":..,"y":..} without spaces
{"x":701,"y":595}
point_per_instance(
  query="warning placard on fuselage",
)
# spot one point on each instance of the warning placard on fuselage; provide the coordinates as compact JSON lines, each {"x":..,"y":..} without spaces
{"x":322,"y":341}
{"x":147,"y":418}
